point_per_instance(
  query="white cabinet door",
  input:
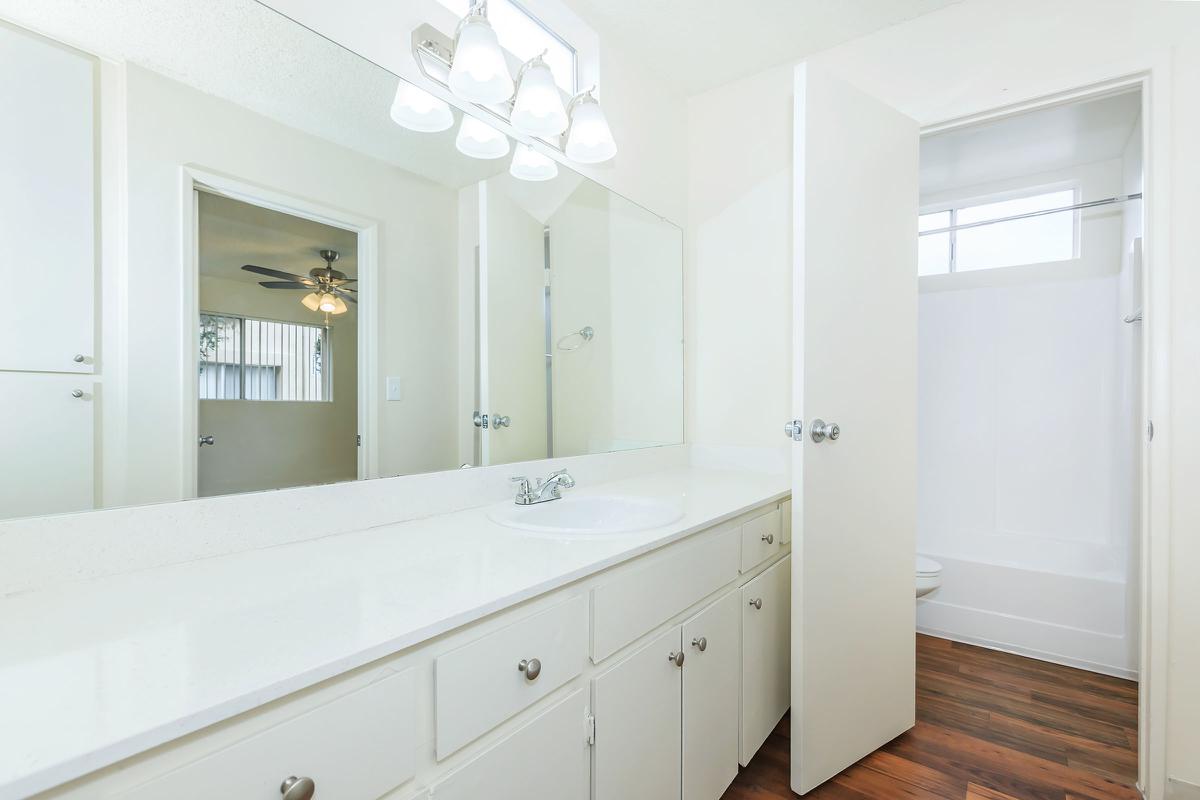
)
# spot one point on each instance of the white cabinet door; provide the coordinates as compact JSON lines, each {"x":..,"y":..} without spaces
{"x":546,"y":758}
{"x":47,"y":436}
{"x":637,"y":708}
{"x":713,"y":642}
{"x":766,"y":654}
{"x":47,"y":204}
{"x":855,"y":351}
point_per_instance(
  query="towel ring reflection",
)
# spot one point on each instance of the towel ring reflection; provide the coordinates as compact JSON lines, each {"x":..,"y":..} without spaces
{"x":585,"y":335}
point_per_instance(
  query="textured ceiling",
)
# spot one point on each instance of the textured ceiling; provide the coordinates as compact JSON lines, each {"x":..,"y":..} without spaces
{"x":1028,"y":144}
{"x":243,"y":51}
{"x":695,"y":45}
{"x":233,"y":233}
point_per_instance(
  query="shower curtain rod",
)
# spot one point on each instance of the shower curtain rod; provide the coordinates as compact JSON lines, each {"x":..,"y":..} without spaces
{"x":1121,"y":198}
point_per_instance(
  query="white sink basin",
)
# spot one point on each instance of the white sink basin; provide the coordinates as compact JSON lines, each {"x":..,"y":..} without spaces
{"x":588,"y":515}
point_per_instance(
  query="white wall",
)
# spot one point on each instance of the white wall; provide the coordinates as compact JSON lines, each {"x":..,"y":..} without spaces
{"x":1000,"y":54}
{"x":170,"y":125}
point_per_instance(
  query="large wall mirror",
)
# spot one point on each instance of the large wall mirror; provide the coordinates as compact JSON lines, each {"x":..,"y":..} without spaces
{"x":231,"y":271}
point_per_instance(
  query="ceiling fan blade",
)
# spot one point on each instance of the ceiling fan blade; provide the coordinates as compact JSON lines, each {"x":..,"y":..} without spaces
{"x":284,"y":285}
{"x":341,"y":293}
{"x":345,"y":289}
{"x":340,"y":281}
{"x":275,"y":273}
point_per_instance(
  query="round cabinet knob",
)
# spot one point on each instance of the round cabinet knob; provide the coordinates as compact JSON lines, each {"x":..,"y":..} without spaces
{"x":700,"y":643}
{"x":532,"y":667}
{"x":294,"y":788}
{"x":677,"y":658}
{"x":77,"y":393}
{"x":78,"y":358}
{"x":769,"y":538}
{"x":757,"y":603}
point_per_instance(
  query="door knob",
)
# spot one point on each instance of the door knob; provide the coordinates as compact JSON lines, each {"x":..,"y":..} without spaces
{"x":501,"y":421}
{"x":676,"y":658}
{"x":532,"y":667}
{"x":480,"y":420}
{"x":700,"y":643}
{"x":820,"y":430}
{"x":294,"y":788}
{"x":757,"y":603}
{"x":793,"y":429}
{"x":209,"y":440}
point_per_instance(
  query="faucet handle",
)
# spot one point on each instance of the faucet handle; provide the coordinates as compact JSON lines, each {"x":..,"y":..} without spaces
{"x":567,"y":481}
{"x":521,"y":479}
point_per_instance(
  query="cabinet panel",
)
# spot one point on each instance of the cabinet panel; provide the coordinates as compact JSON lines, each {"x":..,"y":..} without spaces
{"x":47,"y":436}
{"x":711,"y":679}
{"x":632,"y":603}
{"x":761,"y":539}
{"x":546,"y":758}
{"x":766,"y":654}
{"x":479,"y":685}
{"x":637,"y":705}
{"x":785,"y":522}
{"x":356,"y":747}
{"x":47,"y":204}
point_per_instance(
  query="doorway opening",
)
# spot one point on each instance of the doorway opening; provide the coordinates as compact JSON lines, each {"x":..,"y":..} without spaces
{"x":277,"y":358}
{"x":1032,"y":385}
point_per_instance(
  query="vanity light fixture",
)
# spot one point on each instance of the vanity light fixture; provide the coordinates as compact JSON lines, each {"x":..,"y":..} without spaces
{"x":479,"y":140}
{"x":530,"y":165}
{"x":478,"y":69}
{"x":418,"y":110}
{"x":589,"y":139}
{"x":538,"y":107}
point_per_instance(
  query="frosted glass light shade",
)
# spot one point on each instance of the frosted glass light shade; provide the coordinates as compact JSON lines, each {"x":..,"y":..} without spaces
{"x":479,"y":72}
{"x":590,"y":140}
{"x":530,"y":165}
{"x":418,"y":110}
{"x":312,"y":301}
{"x":480,"y":140}
{"x":327,"y":303}
{"x":538,"y":110}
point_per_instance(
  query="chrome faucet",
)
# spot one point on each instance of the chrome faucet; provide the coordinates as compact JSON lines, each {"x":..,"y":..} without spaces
{"x":544,"y":491}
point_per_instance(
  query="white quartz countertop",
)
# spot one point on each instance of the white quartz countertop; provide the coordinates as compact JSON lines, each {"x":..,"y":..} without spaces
{"x":95,"y":671}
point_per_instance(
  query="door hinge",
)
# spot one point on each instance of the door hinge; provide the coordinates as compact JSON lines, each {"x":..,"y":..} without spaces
{"x":589,"y":727}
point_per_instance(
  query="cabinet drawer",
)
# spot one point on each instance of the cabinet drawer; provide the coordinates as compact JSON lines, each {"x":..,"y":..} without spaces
{"x":632,"y":603}
{"x":766,"y":655}
{"x":480,"y":684}
{"x":356,"y":747}
{"x":546,"y":758}
{"x":761,"y":539}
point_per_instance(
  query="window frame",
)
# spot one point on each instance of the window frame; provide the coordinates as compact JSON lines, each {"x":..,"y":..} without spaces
{"x":1024,"y":192}
{"x":326,"y":359}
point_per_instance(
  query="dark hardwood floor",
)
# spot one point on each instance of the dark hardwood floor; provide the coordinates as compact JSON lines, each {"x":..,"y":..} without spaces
{"x":990,"y":726}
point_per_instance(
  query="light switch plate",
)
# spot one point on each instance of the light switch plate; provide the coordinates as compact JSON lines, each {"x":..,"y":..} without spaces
{"x":395,"y":388}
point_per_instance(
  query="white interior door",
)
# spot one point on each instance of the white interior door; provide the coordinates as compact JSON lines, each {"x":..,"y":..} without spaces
{"x":854,"y":515}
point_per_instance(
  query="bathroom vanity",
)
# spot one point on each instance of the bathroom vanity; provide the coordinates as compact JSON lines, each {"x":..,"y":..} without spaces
{"x":445,"y":657}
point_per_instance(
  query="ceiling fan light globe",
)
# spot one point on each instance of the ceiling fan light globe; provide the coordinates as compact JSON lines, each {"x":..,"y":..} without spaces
{"x":312,"y":301}
{"x":327,"y":303}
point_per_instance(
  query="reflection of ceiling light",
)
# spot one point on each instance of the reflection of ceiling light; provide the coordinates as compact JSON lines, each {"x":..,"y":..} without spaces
{"x":538,"y":109}
{"x":418,"y":110}
{"x":589,"y":139}
{"x":480,"y":140}
{"x":479,"y":72}
{"x":530,"y":165}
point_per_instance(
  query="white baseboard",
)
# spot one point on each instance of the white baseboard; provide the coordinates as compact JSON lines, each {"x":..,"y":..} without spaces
{"x":1040,"y":655}
{"x":1182,"y":790}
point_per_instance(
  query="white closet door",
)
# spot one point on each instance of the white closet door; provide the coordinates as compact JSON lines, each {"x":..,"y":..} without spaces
{"x":710,"y":698}
{"x":637,"y":708}
{"x":855,"y":327}
{"x":47,"y":205}
{"x":47,"y":437}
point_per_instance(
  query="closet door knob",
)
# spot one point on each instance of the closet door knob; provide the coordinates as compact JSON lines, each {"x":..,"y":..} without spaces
{"x":676,"y":658}
{"x":757,"y":603}
{"x":532,"y":667}
{"x":294,"y":788}
{"x":700,"y":643}
{"x":820,"y":430}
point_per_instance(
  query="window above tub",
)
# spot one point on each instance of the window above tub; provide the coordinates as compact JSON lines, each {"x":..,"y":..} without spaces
{"x":999,"y":231}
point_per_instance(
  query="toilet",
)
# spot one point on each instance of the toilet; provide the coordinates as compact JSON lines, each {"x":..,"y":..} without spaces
{"x":929,"y":575}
